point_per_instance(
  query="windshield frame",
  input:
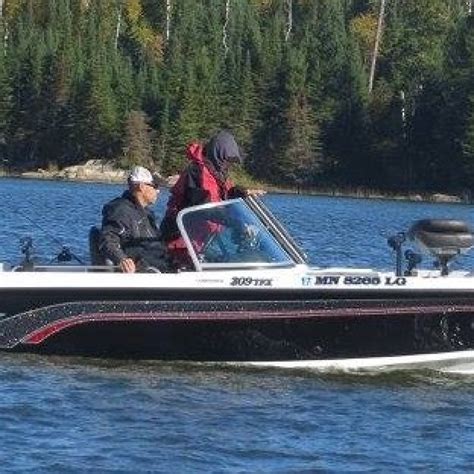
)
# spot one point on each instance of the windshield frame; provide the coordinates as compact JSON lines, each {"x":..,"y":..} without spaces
{"x":267,"y":225}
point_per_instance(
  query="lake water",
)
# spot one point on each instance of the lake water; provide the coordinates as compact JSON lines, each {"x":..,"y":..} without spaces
{"x":81,"y":415}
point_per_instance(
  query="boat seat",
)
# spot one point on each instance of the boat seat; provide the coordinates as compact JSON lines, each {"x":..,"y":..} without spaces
{"x":94,"y":249}
{"x":443,"y":238}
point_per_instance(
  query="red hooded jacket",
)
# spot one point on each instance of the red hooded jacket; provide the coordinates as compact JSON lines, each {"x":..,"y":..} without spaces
{"x":204,"y":180}
{"x":199,"y":183}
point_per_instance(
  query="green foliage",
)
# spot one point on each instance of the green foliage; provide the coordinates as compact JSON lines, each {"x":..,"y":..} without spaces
{"x":299,"y":158}
{"x":5,"y":104}
{"x":101,"y":125}
{"x":86,"y":79}
{"x":138,"y":148}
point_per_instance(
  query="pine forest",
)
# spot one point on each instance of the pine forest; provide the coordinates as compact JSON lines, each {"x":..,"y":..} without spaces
{"x":376,"y":93}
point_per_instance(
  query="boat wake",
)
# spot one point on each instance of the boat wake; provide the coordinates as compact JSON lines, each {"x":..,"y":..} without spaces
{"x":448,"y":362}
{"x":461,"y":369}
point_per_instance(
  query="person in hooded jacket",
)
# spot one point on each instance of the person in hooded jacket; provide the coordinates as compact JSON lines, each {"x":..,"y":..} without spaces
{"x":205,"y":179}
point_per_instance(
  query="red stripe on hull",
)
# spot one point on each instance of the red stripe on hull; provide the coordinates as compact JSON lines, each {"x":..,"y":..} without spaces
{"x":40,"y":335}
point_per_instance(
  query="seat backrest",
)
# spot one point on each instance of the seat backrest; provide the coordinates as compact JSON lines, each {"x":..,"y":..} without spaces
{"x":94,"y":238}
{"x":442,"y":236}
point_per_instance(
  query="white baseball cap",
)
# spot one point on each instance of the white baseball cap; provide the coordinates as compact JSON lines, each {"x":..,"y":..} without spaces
{"x":139,"y":174}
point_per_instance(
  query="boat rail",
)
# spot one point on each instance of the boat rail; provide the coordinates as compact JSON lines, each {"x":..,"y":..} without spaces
{"x":278,"y":231}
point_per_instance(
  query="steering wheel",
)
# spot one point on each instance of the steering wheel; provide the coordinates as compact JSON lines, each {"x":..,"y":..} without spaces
{"x":214,"y":237}
{"x":250,"y":239}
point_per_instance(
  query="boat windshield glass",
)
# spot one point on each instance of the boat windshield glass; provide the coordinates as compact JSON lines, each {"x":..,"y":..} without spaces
{"x":229,"y":235}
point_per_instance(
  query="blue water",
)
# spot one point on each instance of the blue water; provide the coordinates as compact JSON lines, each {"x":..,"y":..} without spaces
{"x":81,"y":415}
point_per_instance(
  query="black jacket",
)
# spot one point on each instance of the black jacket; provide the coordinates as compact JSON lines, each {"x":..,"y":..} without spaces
{"x":129,"y":230}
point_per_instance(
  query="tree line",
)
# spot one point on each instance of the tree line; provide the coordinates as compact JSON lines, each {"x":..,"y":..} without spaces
{"x":135,"y":80}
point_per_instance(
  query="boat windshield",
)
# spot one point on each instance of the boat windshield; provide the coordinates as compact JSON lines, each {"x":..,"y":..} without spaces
{"x":229,"y":235}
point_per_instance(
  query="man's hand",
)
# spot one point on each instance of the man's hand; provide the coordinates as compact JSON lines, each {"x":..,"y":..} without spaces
{"x":127,"y":265}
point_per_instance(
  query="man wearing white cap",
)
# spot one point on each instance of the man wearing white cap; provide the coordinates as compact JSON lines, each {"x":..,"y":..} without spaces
{"x":130,"y":237}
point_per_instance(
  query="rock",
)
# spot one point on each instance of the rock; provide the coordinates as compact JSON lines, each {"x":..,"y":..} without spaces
{"x":34,"y":174}
{"x":438,"y":197}
{"x":99,"y":171}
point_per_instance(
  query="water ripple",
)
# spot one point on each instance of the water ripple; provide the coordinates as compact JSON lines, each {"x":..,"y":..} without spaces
{"x":79,"y":415}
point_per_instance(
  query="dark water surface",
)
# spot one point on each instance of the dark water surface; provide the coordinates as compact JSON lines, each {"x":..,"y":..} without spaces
{"x":82,"y":415}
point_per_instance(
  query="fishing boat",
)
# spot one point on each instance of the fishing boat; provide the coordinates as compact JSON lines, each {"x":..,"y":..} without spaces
{"x":249,"y":296}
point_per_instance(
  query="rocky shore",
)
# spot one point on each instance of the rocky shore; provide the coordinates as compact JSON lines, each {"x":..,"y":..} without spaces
{"x":96,"y":171}
{"x":100,"y":171}
{"x":93,"y":170}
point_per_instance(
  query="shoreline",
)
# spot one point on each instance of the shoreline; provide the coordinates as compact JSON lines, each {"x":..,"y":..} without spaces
{"x":367,"y":193}
{"x":107,"y":175}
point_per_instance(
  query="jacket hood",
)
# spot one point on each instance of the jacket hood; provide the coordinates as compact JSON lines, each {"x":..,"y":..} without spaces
{"x":195,"y":152}
{"x":222,"y":150}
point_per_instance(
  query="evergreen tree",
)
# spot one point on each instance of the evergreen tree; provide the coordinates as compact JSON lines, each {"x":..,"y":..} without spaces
{"x":27,"y":72}
{"x":245,"y":108}
{"x":417,"y":37}
{"x":100,"y":114}
{"x":347,"y":136}
{"x":299,"y":159}
{"x":327,"y":55}
{"x":5,"y":107}
{"x":463,"y":114}
{"x":137,"y":148}
{"x":268,"y":139}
